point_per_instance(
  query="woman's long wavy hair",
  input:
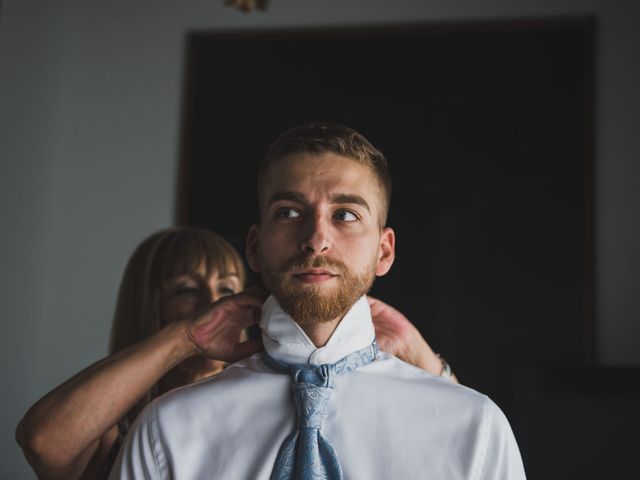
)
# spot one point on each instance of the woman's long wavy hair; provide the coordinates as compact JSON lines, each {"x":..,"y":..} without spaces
{"x":161,"y":257}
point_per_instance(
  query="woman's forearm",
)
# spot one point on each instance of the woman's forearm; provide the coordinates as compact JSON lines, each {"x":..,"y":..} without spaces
{"x":61,"y":431}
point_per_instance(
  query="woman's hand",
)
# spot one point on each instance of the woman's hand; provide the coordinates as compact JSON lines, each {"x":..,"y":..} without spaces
{"x":217,"y":331}
{"x":396,"y":335}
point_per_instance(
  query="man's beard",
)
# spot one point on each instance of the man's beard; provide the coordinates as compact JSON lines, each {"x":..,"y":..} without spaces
{"x":309,"y":304}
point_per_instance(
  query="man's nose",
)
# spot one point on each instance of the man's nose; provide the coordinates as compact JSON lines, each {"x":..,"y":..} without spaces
{"x":316,"y":238}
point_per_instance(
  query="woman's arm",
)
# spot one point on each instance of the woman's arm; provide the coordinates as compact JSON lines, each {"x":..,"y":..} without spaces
{"x":63,"y":430}
{"x":72,"y":428}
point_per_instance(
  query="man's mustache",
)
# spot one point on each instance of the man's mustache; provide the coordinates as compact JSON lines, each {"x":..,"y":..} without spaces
{"x":306,"y":262}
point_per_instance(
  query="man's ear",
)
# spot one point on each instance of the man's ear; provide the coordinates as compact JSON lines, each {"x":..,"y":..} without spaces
{"x":387,"y":251}
{"x":251,"y":249}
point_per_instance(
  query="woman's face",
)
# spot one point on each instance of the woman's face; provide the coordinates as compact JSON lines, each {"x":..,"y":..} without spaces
{"x":187,"y":294}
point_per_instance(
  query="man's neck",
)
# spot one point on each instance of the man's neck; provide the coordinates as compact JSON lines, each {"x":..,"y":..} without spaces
{"x":320,"y":333}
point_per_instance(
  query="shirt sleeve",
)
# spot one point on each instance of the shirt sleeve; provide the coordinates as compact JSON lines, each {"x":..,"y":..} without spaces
{"x":142,"y":454}
{"x":502,"y":459}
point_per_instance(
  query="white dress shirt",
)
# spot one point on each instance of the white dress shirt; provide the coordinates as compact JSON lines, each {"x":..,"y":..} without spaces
{"x":387,"y":420}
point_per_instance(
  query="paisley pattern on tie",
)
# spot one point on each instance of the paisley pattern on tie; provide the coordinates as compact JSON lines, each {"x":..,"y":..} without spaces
{"x":306,"y":454}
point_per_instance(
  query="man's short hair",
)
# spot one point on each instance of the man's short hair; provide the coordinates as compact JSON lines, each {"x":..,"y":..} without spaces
{"x":329,"y":137}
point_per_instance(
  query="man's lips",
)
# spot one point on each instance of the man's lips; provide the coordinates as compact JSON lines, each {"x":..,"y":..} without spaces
{"x":314,"y":275}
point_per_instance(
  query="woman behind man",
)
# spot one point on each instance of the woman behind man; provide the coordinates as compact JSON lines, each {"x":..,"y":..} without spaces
{"x":166,"y":333}
{"x":75,"y":430}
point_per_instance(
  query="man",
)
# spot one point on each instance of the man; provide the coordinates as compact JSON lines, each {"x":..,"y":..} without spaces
{"x":353,"y":412}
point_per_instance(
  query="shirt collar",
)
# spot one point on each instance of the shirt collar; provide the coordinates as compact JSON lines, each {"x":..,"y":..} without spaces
{"x":285,"y":340}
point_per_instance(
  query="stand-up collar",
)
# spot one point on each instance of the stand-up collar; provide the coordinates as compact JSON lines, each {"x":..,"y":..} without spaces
{"x":285,"y":340}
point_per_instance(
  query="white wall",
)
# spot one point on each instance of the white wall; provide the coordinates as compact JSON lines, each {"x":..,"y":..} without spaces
{"x":89,"y":113}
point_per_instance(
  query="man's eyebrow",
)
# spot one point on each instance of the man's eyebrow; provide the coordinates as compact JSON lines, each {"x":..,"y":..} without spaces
{"x":338,"y":198}
{"x":286,"y":195}
{"x":342,"y":198}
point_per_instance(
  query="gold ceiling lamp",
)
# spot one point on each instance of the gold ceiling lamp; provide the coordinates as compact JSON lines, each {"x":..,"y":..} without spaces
{"x":247,"y":5}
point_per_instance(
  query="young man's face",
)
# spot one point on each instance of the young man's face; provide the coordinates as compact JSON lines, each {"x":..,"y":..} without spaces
{"x":320,"y":245}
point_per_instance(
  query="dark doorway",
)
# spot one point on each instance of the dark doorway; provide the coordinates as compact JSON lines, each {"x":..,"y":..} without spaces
{"x":488,"y":131}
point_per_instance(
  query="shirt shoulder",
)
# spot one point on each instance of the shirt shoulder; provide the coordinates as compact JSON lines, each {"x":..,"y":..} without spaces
{"x":238,"y":382}
{"x":465,"y":423}
{"x":405,"y":375}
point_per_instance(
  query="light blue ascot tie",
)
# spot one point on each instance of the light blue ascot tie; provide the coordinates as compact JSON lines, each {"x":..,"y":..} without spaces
{"x":306,"y":453}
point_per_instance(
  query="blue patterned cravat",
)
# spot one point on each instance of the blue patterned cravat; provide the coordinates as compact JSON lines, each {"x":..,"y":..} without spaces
{"x":306,"y":453}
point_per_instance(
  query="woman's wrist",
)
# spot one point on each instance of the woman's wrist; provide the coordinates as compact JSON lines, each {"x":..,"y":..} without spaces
{"x":427,"y":359}
{"x":182,"y":346}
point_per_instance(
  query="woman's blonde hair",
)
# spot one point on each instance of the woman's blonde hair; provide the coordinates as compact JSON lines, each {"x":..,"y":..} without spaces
{"x":160,"y":257}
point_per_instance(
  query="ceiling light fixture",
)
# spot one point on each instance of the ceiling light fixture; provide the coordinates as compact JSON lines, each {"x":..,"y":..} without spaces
{"x":247,"y":5}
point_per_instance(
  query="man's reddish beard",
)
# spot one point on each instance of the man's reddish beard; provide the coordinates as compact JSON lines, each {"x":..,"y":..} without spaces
{"x":309,"y":304}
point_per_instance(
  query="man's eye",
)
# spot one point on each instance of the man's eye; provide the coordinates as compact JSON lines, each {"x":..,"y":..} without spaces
{"x":346,"y":216}
{"x":287,"y":212}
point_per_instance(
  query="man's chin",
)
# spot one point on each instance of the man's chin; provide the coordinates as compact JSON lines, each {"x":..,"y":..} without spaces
{"x":307,"y":293}
{"x":317,"y":302}
{"x":311,"y":305}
